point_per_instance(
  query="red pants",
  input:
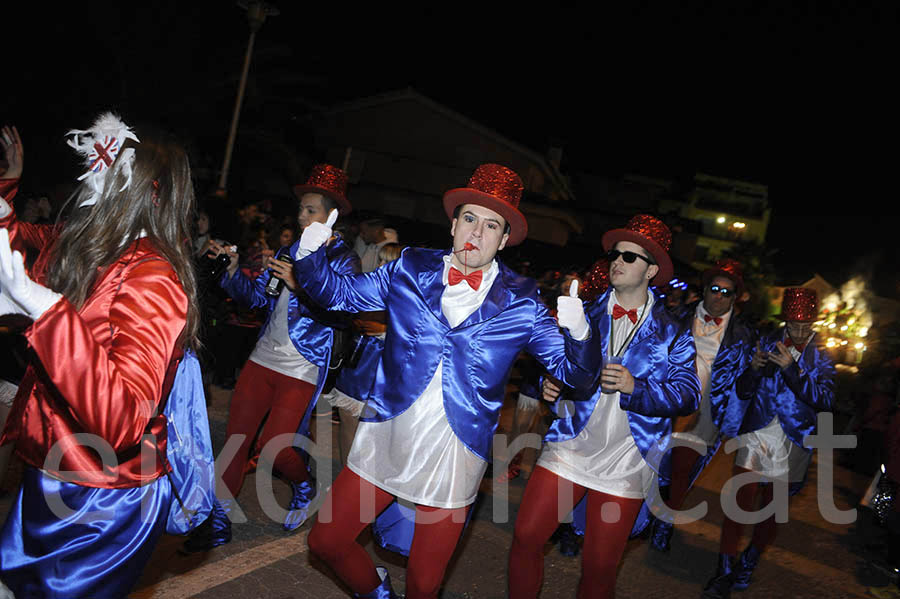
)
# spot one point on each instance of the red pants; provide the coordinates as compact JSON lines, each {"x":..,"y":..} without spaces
{"x":354,"y":503}
{"x":749,"y":497}
{"x":609,"y":522}
{"x":260,"y":391}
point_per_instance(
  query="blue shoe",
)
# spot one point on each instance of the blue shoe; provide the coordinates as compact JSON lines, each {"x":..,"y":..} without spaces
{"x":215,"y":531}
{"x":661,"y":535}
{"x":743,"y":570}
{"x":384,"y":590}
{"x":298,"y":509}
{"x":719,"y":586}
{"x":568,"y":541}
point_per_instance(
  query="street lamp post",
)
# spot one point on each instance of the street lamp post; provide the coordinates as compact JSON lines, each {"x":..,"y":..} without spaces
{"x":257,"y":11}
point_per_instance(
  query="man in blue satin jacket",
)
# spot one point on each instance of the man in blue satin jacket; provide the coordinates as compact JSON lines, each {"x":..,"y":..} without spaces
{"x":602,"y":452}
{"x":284,"y":375}
{"x":725,"y":343}
{"x":457,"y":321}
{"x":789,"y":381}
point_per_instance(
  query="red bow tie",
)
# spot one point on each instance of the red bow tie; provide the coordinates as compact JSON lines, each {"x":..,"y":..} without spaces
{"x":619,"y":312}
{"x":789,"y":343}
{"x":473,"y":278}
{"x":707,"y":318}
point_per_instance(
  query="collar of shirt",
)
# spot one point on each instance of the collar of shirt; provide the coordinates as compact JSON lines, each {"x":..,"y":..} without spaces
{"x":710,"y":327}
{"x":459,"y":301}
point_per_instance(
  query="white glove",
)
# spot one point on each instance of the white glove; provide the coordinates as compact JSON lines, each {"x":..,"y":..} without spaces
{"x":5,"y":208}
{"x":32,"y":298}
{"x":570,"y":314}
{"x":315,"y":235}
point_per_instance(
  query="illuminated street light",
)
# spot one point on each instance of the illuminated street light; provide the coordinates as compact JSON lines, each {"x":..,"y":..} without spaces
{"x":720,"y":220}
{"x":739,"y":225}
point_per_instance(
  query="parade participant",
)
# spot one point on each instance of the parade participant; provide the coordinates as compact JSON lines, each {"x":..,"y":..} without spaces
{"x":790,"y":380}
{"x":595,"y":451}
{"x":287,"y":368}
{"x":112,"y":298}
{"x":457,"y":321}
{"x":724,"y":343}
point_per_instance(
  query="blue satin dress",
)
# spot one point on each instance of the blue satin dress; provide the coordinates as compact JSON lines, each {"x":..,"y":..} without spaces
{"x":63,"y":540}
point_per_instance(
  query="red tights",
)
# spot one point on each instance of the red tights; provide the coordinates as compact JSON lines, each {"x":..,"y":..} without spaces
{"x":748,"y":496}
{"x":548,"y":499}
{"x":260,"y":391}
{"x":354,"y":503}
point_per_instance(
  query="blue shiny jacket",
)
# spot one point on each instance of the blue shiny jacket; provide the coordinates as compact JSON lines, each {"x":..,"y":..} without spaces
{"x":660,"y":357}
{"x":795,"y":394}
{"x":734,"y":355}
{"x":477,"y":355}
{"x":309,"y":326}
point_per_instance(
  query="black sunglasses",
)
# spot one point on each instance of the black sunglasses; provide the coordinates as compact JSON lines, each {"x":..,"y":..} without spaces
{"x":628,"y":257}
{"x":723,"y":291}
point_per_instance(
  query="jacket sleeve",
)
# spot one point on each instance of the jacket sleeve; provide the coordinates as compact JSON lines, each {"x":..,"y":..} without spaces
{"x":249,"y":293}
{"x":573,"y":362}
{"x":678,"y":394}
{"x":365,"y":292}
{"x":345,"y":264}
{"x":113,"y":391}
{"x":22,"y":235}
{"x":815,"y":387}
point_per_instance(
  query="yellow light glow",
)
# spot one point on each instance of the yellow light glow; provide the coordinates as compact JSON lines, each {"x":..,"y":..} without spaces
{"x":720,"y":220}
{"x":832,"y":325}
{"x":844,"y":342}
{"x":864,"y":331}
{"x":844,"y":328}
{"x":832,"y":306}
{"x":859,"y":345}
{"x":851,"y":321}
{"x":830,"y":343}
{"x":738,"y":225}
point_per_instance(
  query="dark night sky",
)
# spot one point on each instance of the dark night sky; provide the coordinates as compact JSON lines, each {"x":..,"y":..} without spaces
{"x":659,"y":91}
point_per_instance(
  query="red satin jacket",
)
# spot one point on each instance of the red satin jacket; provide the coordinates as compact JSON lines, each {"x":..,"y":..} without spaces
{"x":87,"y":407}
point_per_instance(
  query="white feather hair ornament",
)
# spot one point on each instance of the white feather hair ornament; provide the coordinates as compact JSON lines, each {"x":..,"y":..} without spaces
{"x":100,"y":145}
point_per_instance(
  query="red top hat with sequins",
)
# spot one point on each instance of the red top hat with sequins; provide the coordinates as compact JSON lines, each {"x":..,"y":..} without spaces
{"x":329,"y":181}
{"x":651,"y":234}
{"x":728,"y":268}
{"x":495,"y":187}
{"x":800,"y":304}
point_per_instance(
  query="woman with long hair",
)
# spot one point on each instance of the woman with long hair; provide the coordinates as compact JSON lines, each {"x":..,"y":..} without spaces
{"x":112,"y":297}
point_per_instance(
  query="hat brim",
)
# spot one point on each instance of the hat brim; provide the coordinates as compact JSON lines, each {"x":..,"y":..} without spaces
{"x":344,"y":206}
{"x":712,"y":273}
{"x":660,"y":256}
{"x":518,"y":226}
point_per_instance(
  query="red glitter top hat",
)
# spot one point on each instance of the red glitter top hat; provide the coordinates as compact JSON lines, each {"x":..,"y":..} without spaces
{"x":728,"y":268}
{"x":596,"y":281}
{"x":651,"y":234}
{"x":800,"y":304}
{"x":495,"y":187}
{"x":329,"y":181}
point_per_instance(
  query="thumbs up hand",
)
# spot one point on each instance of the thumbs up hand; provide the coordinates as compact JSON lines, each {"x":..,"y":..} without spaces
{"x":315,"y":235}
{"x":570,"y":313}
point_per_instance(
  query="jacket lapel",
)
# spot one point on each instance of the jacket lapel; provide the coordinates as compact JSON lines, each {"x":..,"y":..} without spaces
{"x":497,"y":300}
{"x":431,"y":286}
{"x":649,"y":325}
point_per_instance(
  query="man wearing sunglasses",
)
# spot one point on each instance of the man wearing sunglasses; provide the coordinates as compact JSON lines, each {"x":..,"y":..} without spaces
{"x":724,"y":343}
{"x":790,"y":379}
{"x":597,"y":457}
